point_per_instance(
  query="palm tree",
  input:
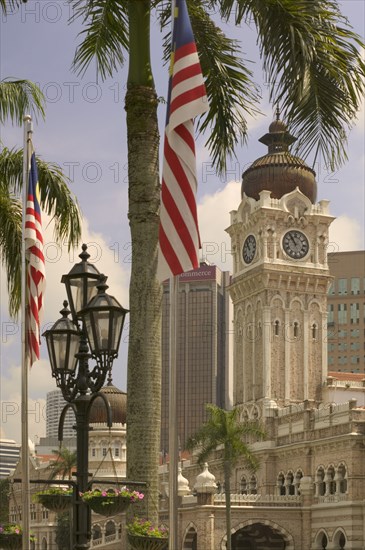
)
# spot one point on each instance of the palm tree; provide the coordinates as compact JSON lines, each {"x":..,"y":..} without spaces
{"x":64,"y":463}
{"x":224,"y":429}
{"x":313,"y":65}
{"x":18,"y":97}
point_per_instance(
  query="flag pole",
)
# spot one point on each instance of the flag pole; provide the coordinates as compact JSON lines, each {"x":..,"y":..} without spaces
{"x":28,"y":129}
{"x":173,"y":435}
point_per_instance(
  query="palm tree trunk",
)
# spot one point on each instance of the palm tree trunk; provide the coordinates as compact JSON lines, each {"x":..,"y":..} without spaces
{"x":227,"y":485}
{"x":144,"y":355}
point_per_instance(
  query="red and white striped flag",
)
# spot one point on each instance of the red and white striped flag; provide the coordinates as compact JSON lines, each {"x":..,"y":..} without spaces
{"x":179,"y":233}
{"x":36,"y":276}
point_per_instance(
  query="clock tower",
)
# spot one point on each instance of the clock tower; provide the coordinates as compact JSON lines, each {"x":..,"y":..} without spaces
{"x":279,"y":237}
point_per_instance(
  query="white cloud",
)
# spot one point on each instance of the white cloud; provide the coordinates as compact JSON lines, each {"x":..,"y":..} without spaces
{"x":214,"y":218}
{"x":345,"y":234}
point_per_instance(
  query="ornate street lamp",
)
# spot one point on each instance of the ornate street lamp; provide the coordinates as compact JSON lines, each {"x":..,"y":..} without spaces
{"x":97,"y":319}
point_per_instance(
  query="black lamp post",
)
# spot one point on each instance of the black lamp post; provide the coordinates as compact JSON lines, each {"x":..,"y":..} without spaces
{"x":97,"y":320}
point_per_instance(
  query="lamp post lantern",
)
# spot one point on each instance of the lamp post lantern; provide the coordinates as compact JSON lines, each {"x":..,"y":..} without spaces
{"x":96,"y":324}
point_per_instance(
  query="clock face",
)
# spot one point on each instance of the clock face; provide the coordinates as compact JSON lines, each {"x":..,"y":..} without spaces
{"x":295,"y":244}
{"x":249,"y":249}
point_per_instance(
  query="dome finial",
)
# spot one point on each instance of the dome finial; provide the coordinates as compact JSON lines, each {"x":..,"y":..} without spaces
{"x":277,"y":111}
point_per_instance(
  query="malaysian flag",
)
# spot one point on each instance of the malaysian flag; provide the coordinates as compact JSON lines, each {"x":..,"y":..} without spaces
{"x":35,"y":276}
{"x":179,"y":233}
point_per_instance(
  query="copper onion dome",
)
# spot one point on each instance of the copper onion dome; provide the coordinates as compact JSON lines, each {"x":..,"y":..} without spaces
{"x":279,"y":171}
{"x":118,"y":403}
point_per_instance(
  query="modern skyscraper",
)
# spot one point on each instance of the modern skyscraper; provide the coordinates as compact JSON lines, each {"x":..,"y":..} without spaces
{"x":9,"y":456}
{"x":202,"y":362}
{"x":54,"y":407}
{"x":346,"y":312}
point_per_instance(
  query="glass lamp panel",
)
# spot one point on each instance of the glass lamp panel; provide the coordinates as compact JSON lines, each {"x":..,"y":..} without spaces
{"x":102,"y":322}
{"x":89,"y":326}
{"x":73,"y":349}
{"x":82,"y":290}
{"x":117,"y":327}
{"x":59,"y":347}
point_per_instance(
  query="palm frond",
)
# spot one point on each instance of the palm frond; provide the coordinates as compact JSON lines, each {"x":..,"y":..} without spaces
{"x":9,"y":5}
{"x":104,"y":37}
{"x":224,"y":428}
{"x":55,"y":197}
{"x":10,"y":246}
{"x":313,"y":68}
{"x":231,"y":91}
{"x":18,"y":98}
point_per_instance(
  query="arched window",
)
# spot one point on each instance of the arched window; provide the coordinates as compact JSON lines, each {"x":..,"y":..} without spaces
{"x":277,"y":328}
{"x":342,"y":541}
{"x":330,"y":481}
{"x":110,"y":528}
{"x":289,"y":482}
{"x":243,"y":485}
{"x":298,"y":477}
{"x":320,"y":484}
{"x":296,"y":329}
{"x":96,"y":532}
{"x":324,"y":542}
{"x":342,"y":478}
{"x":252,"y":489}
{"x":281,"y":484}
{"x":314,"y":331}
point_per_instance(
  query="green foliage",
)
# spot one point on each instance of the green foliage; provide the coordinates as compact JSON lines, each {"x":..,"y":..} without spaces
{"x":310,"y":55}
{"x":18,"y":98}
{"x":56,"y":200}
{"x":224,"y":428}
{"x":64,"y":491}
{"x":4,"y":496}
{"x":63,"y":531}
{"x":112,"y":494}
{"x":145,"y":528}
{"x":63,"y":465}
{"x":105,"y":35}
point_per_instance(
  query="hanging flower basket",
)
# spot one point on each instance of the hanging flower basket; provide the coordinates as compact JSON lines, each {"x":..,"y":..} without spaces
{"x":110,"y":502}
{"x":11,"y":540}
{"x":140,"y":542}
{"x":56,"y":499}
{"x":142,"y":535}
{"x":11,"y":536}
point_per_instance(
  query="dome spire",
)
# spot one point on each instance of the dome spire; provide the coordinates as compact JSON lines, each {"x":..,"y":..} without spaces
{"x":278,"y":138}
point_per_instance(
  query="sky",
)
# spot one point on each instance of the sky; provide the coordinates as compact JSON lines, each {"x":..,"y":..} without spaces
{"x":85,"y":133}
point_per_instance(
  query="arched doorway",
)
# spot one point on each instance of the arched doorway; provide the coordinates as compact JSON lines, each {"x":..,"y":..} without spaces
{"x":258,"y":536}
{"x":191,"y":539}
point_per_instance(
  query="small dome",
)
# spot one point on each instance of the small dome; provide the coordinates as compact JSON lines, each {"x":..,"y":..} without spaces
{"x":277,"y":126}
{"x":182,"y":484}
{"x":279,"y":171}
{"x":205,"y":482}
{"x":118,"y":404}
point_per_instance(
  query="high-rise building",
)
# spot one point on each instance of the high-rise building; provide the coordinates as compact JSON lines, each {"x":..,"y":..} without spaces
{"x":9,"y":456}
{"x":346,"y":312}
{"x":202,"y":356}
{"x":54,"y":406}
